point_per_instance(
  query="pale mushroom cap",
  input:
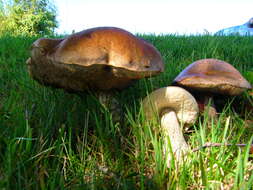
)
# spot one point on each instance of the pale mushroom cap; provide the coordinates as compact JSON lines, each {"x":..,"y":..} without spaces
{"x":171,"y":98}
{"x":99,"y":58}
{"x":212,"y":75}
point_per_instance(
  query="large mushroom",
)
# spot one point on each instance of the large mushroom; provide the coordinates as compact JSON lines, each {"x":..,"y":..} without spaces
{"x":176,"y":108}
{"x":208,"y":77}
{"x":100,"y":59}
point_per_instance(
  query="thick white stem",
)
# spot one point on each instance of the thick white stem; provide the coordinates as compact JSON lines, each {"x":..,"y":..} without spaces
{"x":171,"y":129}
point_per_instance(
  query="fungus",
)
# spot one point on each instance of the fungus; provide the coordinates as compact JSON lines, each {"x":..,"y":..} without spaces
{"x":208,"y":77}
{"x":176,"y":108}
{"x":102,"y":59}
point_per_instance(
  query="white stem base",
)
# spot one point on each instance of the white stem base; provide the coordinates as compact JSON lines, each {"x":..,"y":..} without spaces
{"x":173,"y":133}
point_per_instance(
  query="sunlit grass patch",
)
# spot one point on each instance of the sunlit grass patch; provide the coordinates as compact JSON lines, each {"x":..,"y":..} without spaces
{"x":50,"y":139}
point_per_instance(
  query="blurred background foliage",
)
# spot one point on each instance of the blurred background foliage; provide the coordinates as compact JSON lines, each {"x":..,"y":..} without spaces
{"x":27,"y":17}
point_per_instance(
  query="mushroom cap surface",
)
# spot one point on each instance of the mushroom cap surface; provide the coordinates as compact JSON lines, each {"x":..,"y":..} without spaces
{"x":100,"y":58}
{"x":172,"y":98}
{"x":212,"y":75}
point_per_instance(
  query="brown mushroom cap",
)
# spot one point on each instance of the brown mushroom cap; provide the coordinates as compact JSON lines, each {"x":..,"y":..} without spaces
{"x":212,"y":75}
{"x":101,"y":58}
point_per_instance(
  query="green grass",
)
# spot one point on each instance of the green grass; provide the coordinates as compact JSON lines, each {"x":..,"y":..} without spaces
{"x":50,"y":139}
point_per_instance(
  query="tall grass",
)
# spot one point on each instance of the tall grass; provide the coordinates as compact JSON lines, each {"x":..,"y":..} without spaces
{"x":50,"y":139}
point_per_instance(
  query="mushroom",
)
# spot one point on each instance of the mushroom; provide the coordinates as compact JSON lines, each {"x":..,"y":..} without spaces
{"x":177,"y":108}
{"x":100,"y":59}
{"x":208,"y":77}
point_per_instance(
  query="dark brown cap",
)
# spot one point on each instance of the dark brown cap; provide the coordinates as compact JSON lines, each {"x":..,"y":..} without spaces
{"x":99,"y":58}
{"x":212,"y":75}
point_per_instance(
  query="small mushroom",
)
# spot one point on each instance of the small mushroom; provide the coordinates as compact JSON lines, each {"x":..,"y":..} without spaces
{"x":177,"y":108}
{"x":102,"y":59}
{"x":208,"y":77}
